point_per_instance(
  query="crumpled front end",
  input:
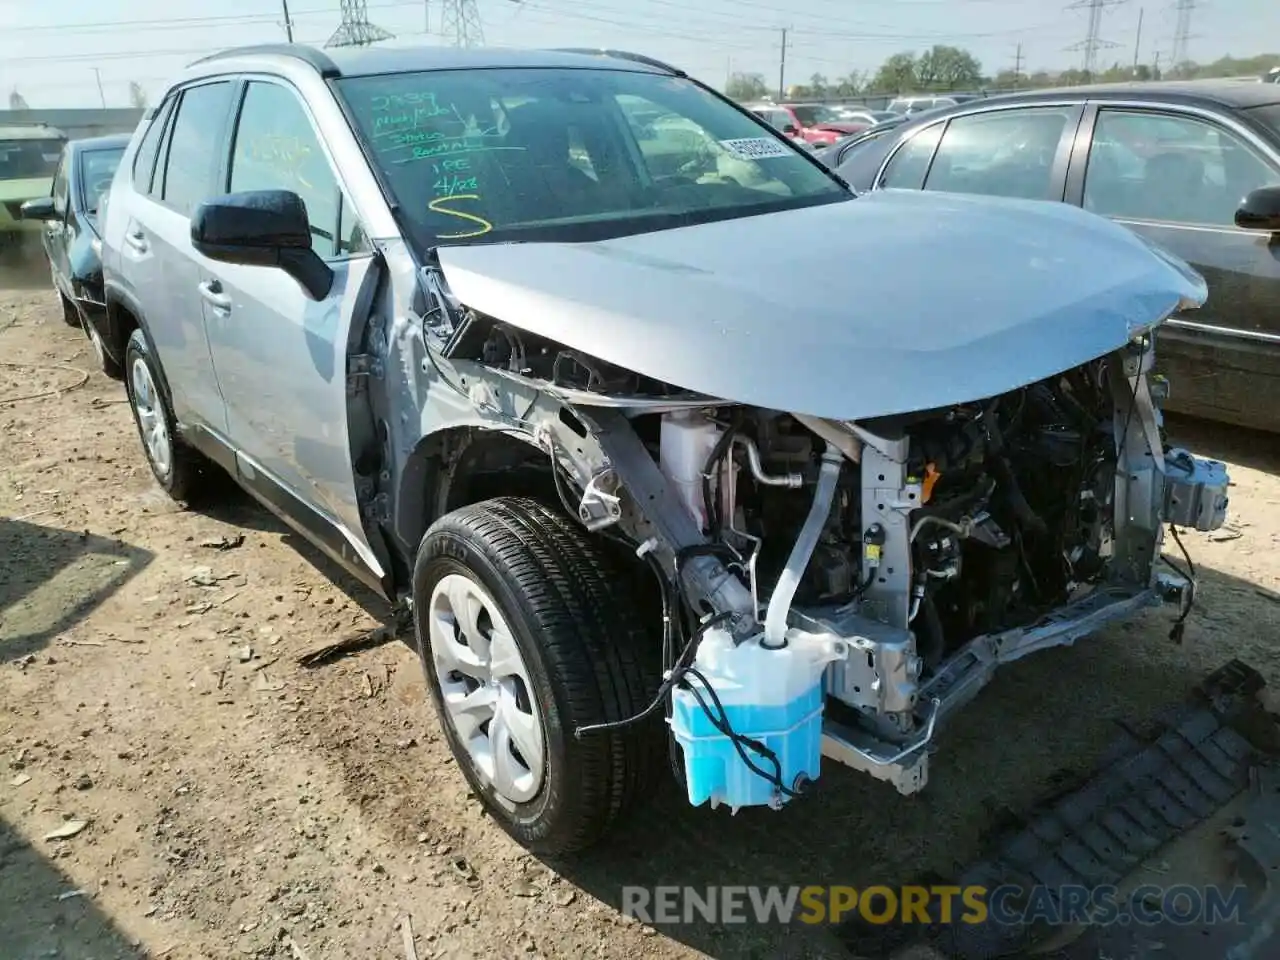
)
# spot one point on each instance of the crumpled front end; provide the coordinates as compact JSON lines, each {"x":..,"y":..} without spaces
{"x":909,"y":556}
{"x":841,"y":568}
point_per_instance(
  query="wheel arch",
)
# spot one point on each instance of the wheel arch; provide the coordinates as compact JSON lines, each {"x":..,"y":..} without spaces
{"x":461,"y":465}
{"x":124,"y":315}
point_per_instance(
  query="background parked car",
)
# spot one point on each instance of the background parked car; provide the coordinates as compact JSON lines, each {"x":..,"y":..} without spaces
{"x":72,"y":240}
{"x":811,"y":122}
{"x":864,"y":115}
{"x":1194,"y":167}
{"x":28,"y":157}
{"x":914,"y":105}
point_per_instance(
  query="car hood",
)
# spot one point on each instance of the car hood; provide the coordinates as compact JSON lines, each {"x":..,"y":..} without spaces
{"x":958,"y":299}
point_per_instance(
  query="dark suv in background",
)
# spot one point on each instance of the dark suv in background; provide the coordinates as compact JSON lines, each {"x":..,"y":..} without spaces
{"x":1194,"y":167}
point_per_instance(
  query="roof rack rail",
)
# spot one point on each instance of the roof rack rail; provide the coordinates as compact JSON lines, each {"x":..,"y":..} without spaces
{"x":298,"y":51}
{"x":624,"y":55}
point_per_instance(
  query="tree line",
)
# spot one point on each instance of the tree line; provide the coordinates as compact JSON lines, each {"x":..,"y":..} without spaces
{"x":944,"y":68}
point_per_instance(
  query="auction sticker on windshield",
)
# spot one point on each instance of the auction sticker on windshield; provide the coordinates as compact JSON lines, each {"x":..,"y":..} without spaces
{"x":756,"y":148}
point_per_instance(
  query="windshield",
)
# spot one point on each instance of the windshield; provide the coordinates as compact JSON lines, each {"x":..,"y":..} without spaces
{"x":97,"y":169}
{"x":28,"y":159}
{"x":564,"y":155}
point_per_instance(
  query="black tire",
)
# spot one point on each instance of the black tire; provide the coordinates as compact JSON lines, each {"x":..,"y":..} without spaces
{"x":189,"y":476}
{"x":589,"y":646}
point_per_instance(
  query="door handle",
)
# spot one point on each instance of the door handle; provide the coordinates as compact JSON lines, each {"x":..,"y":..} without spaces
{"x":136,"y":239}
{"x":211,"y":290}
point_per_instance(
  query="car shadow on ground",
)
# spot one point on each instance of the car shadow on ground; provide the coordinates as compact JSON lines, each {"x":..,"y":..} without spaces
{"x":44,"y":914}
{"x":51,"y":578}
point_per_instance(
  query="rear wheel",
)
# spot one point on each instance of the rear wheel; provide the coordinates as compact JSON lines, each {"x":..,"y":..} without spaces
{"x":182,"y":471}
{"x":528,"y":630}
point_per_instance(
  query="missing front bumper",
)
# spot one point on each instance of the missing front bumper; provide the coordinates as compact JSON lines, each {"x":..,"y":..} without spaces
{"x":905,"y":764}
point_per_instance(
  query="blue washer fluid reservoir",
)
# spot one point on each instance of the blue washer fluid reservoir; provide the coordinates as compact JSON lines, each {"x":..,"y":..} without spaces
{"x":774,"y":696}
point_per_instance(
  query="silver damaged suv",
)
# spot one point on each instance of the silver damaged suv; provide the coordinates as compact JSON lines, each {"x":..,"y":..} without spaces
{"x":542,"y":345}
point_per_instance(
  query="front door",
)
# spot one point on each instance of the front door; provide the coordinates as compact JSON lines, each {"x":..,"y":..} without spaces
{"x":281,"y":356}
{"x":1177,"y":179}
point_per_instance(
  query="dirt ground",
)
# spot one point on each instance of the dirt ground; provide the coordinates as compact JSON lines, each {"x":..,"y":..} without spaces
{"x":230,"y":802}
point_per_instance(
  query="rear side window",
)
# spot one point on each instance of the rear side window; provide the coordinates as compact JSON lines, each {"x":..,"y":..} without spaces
{"x":144,"y":161}
{"x":1005,"y":153}
{"x":909,"y":165}
{"x":860,"y":160}
{"x":1151,"y":166}
{"x":196,"y":146}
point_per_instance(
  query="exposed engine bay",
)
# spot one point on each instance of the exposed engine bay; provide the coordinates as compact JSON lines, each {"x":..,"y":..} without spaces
{"x":1014,"y":511}
{"x":897,"y":560}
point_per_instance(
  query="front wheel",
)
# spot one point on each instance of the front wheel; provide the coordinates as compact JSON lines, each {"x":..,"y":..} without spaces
{"x":528,"y":631}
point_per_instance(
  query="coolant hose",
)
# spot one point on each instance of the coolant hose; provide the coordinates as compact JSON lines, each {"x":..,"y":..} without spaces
{"x":775,"y":620}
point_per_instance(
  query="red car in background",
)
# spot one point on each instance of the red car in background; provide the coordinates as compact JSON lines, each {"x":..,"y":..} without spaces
{"x":810,"y":122}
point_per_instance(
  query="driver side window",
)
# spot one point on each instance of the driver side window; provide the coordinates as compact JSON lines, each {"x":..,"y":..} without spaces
{"x":276,"y":148}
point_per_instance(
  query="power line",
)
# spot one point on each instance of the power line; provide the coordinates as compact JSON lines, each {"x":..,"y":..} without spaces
{"x":355,"y":30}
{"x":1093,"y":41}
{"x":546,"y":11}
{"x":782,"y":67}
{"x":1137,"y":41}
{"x":186,"y":23}
{"x":460,"y":23}
{"x":1181,"y":32}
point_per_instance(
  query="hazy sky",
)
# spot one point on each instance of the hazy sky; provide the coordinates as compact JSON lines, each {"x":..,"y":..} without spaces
{"x":49,"y":49}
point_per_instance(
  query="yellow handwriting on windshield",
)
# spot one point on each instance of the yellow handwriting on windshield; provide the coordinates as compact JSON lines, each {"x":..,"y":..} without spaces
{"x":483,"y":226}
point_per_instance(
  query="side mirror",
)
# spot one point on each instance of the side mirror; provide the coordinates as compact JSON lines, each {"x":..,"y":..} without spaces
{"x":1260,"y":210}
{"x":39,"y":209}
{"x":791,"y":130}
{"x":262,"y":228}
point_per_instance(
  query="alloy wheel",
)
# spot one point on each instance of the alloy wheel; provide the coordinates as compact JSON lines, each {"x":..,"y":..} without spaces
{"x":152,"y":424}
{"x":486,"y":688}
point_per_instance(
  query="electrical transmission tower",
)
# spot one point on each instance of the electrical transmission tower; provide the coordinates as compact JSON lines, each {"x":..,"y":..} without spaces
{"x":460,"y":22}
{"x":1182,"y":32}
{"x":1093,"y":41}
{"x":355,"y":29}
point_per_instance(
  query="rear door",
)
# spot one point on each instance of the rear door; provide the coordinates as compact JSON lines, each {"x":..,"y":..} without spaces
{"x":1176,"y":176}
{"x":159,"y":239}
{"x":281,"y":356}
